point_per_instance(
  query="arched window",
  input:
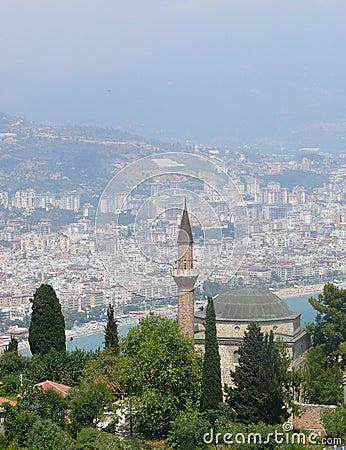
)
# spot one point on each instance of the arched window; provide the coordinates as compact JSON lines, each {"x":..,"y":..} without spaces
{"x":236,"y":357}
{"x":184,"y":263}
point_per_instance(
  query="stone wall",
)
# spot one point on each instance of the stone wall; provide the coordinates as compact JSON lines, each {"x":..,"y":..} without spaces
{"x":309,"y":417}
{"x":237,"y":329}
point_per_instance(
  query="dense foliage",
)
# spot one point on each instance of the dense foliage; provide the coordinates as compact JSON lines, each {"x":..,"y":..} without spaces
{"x":322,"y":380}
{"x":161,"y":374}
{"x":155,"y":384}
{"x":334,"y":422}
{"x":326,"y":360}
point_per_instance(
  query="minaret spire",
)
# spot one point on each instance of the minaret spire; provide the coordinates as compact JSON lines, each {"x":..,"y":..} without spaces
{"x":185,"y":232}
{"x":185,"y":276}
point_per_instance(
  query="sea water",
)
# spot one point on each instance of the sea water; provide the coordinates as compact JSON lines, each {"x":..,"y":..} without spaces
{"x":299,"y":303}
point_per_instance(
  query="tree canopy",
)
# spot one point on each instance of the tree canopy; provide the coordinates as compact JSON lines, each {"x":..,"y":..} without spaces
{"x":322,"y":380}
{"x":47,"y":325}
{"x":161,"y":373}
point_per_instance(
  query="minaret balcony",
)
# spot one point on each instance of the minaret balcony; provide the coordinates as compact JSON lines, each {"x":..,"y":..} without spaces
{"x":185,"y":279}
{"x":185,"y":273}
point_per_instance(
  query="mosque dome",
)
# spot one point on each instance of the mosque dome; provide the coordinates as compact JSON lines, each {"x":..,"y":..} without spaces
{"x":250,"y":305}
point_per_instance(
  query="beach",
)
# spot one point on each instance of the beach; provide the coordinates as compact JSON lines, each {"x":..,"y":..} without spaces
{"x":312,"y":289}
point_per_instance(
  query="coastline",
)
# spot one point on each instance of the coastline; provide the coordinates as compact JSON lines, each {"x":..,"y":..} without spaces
{"x":92,"y":328}
{"x":313,"y":289}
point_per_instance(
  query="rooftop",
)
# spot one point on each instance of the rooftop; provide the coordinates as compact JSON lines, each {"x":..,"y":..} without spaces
{"x":249,"y":304}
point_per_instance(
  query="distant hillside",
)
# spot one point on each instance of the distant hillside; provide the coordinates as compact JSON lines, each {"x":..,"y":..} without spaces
{"x":56,"y":158}
{"x":291,"y":178}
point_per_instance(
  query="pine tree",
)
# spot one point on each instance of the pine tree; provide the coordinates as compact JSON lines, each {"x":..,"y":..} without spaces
{"x":329,"y":329}
{"x":47,"y":325}
{"x":322,"y":378}
{"x":111,"y":332}
{"x":211,"y":392}
{"x":260,"y":379}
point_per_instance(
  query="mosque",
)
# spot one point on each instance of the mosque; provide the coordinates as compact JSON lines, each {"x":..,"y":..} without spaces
{"x":234,"y":310}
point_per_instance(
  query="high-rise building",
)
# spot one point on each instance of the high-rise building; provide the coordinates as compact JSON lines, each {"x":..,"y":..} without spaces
{"x":25,"y":199}
{"x":4,"y":198}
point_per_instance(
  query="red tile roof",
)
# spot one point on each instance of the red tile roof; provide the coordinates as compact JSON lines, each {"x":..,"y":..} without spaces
{"x":7,"y":400}
{"x":61,"y":389}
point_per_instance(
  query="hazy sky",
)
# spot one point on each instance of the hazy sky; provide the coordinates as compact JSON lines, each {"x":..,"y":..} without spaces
{"x":206,"y":69}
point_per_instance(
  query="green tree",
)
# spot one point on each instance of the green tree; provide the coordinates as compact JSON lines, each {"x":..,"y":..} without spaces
{"x":111,"y":332}
{"x":260,"y":379}
{"x":12,"y":346}
{"x":18,"y":425}
{"x":48,"y":436}
{"x":46,"y":404}
{"x":92,"y":439}
{"x":88,"y":404}
{"x":104,"y":369}
{"x":322,"y":379}
{"x":211,"y":391}
{"x":12,"y":363}
{"x":47,"y":325}
{"x":329,"y":329}
{"x":334,"y":422}
{"x":64,"y":367}
{"x":188,"y":430}
{"x":161,"y":374}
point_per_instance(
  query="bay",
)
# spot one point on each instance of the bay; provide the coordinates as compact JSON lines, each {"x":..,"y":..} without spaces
{"x":299,"y":303}
{"x":86,"y":342}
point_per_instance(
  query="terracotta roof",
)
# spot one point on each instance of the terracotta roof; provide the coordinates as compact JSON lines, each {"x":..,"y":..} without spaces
{"x":61,"y":389}
{"x":7,"y":400}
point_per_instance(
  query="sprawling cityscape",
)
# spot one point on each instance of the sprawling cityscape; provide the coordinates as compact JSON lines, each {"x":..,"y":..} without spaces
{"x":295,"y":212}
{"x":172,"y":225}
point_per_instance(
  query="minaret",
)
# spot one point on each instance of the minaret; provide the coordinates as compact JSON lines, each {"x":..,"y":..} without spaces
{"x":185,"y":276}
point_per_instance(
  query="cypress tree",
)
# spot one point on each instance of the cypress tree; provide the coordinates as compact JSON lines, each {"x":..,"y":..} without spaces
{"x":111,"y":332}
{"x":211,"y":391}
{"x":47,"y":325}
